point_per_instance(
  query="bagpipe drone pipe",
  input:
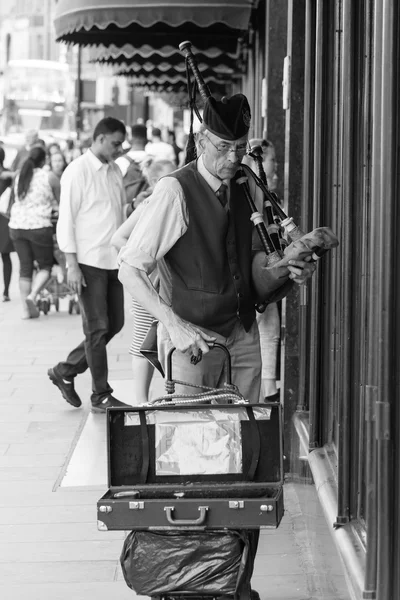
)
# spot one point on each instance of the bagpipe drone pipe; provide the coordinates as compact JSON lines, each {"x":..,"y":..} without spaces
{"x":270,"y":270}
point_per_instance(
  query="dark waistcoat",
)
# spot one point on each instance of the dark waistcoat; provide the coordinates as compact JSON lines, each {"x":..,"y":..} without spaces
{"x":210,"y":264}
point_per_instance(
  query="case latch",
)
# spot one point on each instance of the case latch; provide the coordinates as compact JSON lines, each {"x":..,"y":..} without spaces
{"x":236,"y":504}
{"x":105,"y":509}
{"x":267,"y":507}
{"x":136,"y":505}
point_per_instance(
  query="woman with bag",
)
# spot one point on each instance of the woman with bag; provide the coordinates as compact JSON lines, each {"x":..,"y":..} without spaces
{"x":6,"y":245}
{"x":31,"y":228}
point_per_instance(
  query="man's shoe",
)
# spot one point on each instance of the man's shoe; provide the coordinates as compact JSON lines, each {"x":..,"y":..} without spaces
{"x":66,"y":388}
{"x":273,"y":397}
{"x":108,"y":402}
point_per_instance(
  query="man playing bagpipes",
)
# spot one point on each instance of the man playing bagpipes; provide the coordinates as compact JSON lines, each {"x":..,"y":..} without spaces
{"x":196,"y":230}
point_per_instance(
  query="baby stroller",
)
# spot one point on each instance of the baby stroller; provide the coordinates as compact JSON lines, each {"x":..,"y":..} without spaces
{"x":57,"y":286}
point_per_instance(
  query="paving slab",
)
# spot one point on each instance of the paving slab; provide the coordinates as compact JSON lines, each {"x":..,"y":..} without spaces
{"x":70,"y":591}
{"x":54,"y":532}
{"x":56,"y":572}
{"x":62,"y":551}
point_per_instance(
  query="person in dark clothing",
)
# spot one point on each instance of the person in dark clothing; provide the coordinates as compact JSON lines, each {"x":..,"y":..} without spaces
{"x":91,"y":210}
{"x":31,"y":139}
{"x":31,"y":229}
{"x":172,"y":141}
{"x":6,"y":245}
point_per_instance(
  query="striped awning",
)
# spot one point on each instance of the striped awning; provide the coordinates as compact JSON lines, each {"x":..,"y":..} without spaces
{"x":179,"y":87}
{"x":158,"y":23}
{"x":165,"y":74}
{"x":129,"y":57}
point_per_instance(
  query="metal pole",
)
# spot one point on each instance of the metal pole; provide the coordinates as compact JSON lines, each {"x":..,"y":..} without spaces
{"x":266,"y":68}
{"x":308,"y":156}
{"x":374,"y":28}
{"x":344,"y":409}
{"x":386,"y":249}
{"x":312,"y":364}
{"x":146,"y":109}
{"x":369,"y":592}
{"x":129,"y":115}
{"x":79,"y":95}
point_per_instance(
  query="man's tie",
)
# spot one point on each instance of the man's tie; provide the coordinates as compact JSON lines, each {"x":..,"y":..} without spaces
{"x":222,"y":194}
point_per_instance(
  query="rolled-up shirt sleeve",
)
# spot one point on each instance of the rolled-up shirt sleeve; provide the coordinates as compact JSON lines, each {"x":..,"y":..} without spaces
{"x":70,"y":201}
{"x":163,"y":220}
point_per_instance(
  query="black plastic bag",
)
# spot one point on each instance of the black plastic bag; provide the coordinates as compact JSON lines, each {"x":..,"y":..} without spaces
{"x":202,"y":562}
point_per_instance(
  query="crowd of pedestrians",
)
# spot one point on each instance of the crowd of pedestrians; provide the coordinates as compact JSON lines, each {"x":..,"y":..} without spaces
{"x":89,"y":204}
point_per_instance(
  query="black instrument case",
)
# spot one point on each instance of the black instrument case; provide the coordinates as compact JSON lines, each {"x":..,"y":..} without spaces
{"x":193,"y":466}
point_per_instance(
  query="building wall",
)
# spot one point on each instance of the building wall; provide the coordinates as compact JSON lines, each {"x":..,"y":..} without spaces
{"x":26,"y":28}
{"x":339,"y":139}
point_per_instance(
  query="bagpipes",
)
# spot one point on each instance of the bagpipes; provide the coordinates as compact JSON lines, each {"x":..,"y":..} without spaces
{"x":270,"y":269}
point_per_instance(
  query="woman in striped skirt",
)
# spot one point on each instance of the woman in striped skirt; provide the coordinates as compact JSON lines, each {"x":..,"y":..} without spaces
{"x":142,"y":369}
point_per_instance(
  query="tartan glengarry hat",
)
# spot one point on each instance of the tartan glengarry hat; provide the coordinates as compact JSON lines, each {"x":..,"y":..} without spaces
{"x":228,"y":118}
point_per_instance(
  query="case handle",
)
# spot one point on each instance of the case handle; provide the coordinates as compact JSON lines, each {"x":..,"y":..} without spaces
{"x":199,"y":521}
{"x":212,"y":345}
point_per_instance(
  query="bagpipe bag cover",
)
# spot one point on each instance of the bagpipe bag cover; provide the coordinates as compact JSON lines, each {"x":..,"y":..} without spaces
{"x":271,"y":282}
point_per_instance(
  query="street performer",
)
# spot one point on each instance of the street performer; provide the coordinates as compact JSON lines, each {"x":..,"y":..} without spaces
{"x":196,"y":229}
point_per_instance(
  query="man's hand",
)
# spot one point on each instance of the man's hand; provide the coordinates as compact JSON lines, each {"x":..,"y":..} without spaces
{"x":75,"y":279}
{"x":189,"y":338}
{"x":141,"y":197}
{"x":301,"y":270}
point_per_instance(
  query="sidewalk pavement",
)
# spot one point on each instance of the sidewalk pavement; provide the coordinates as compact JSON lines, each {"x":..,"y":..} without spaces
{"x":50,"y":548}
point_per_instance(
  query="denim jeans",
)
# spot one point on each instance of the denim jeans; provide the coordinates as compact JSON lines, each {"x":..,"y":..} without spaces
{"x":102,"y":309}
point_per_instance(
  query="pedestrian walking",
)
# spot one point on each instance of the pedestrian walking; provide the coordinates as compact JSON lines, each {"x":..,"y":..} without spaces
{"x":57,"y":166}
{"x":31,"y":139}
{"x":172,"y":142}
{"x":91,"y":210}
{"x":72,"y":151}
{"x":159,"y":149}
{"x":31,"y":228}
{"x":196,"y":229}
{"x":142,"y":369}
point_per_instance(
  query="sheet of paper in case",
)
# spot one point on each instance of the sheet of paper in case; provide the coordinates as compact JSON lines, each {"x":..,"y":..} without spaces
{"x":198,"y":448}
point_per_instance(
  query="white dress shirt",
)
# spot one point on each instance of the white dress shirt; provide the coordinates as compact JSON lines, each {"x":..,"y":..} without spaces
{"x":163,"y":220}
{"x":91,"y":210}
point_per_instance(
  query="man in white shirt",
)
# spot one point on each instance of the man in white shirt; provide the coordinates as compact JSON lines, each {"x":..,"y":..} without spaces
{"x":158,"y":149}
{"x":91,"y":210}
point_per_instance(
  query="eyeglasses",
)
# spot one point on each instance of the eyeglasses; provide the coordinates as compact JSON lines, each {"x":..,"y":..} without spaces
{"x":224,"y":148}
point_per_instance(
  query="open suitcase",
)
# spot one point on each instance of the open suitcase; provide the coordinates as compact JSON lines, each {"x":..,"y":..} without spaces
{"x":193,"y":465}
{"x":244,"y":492}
